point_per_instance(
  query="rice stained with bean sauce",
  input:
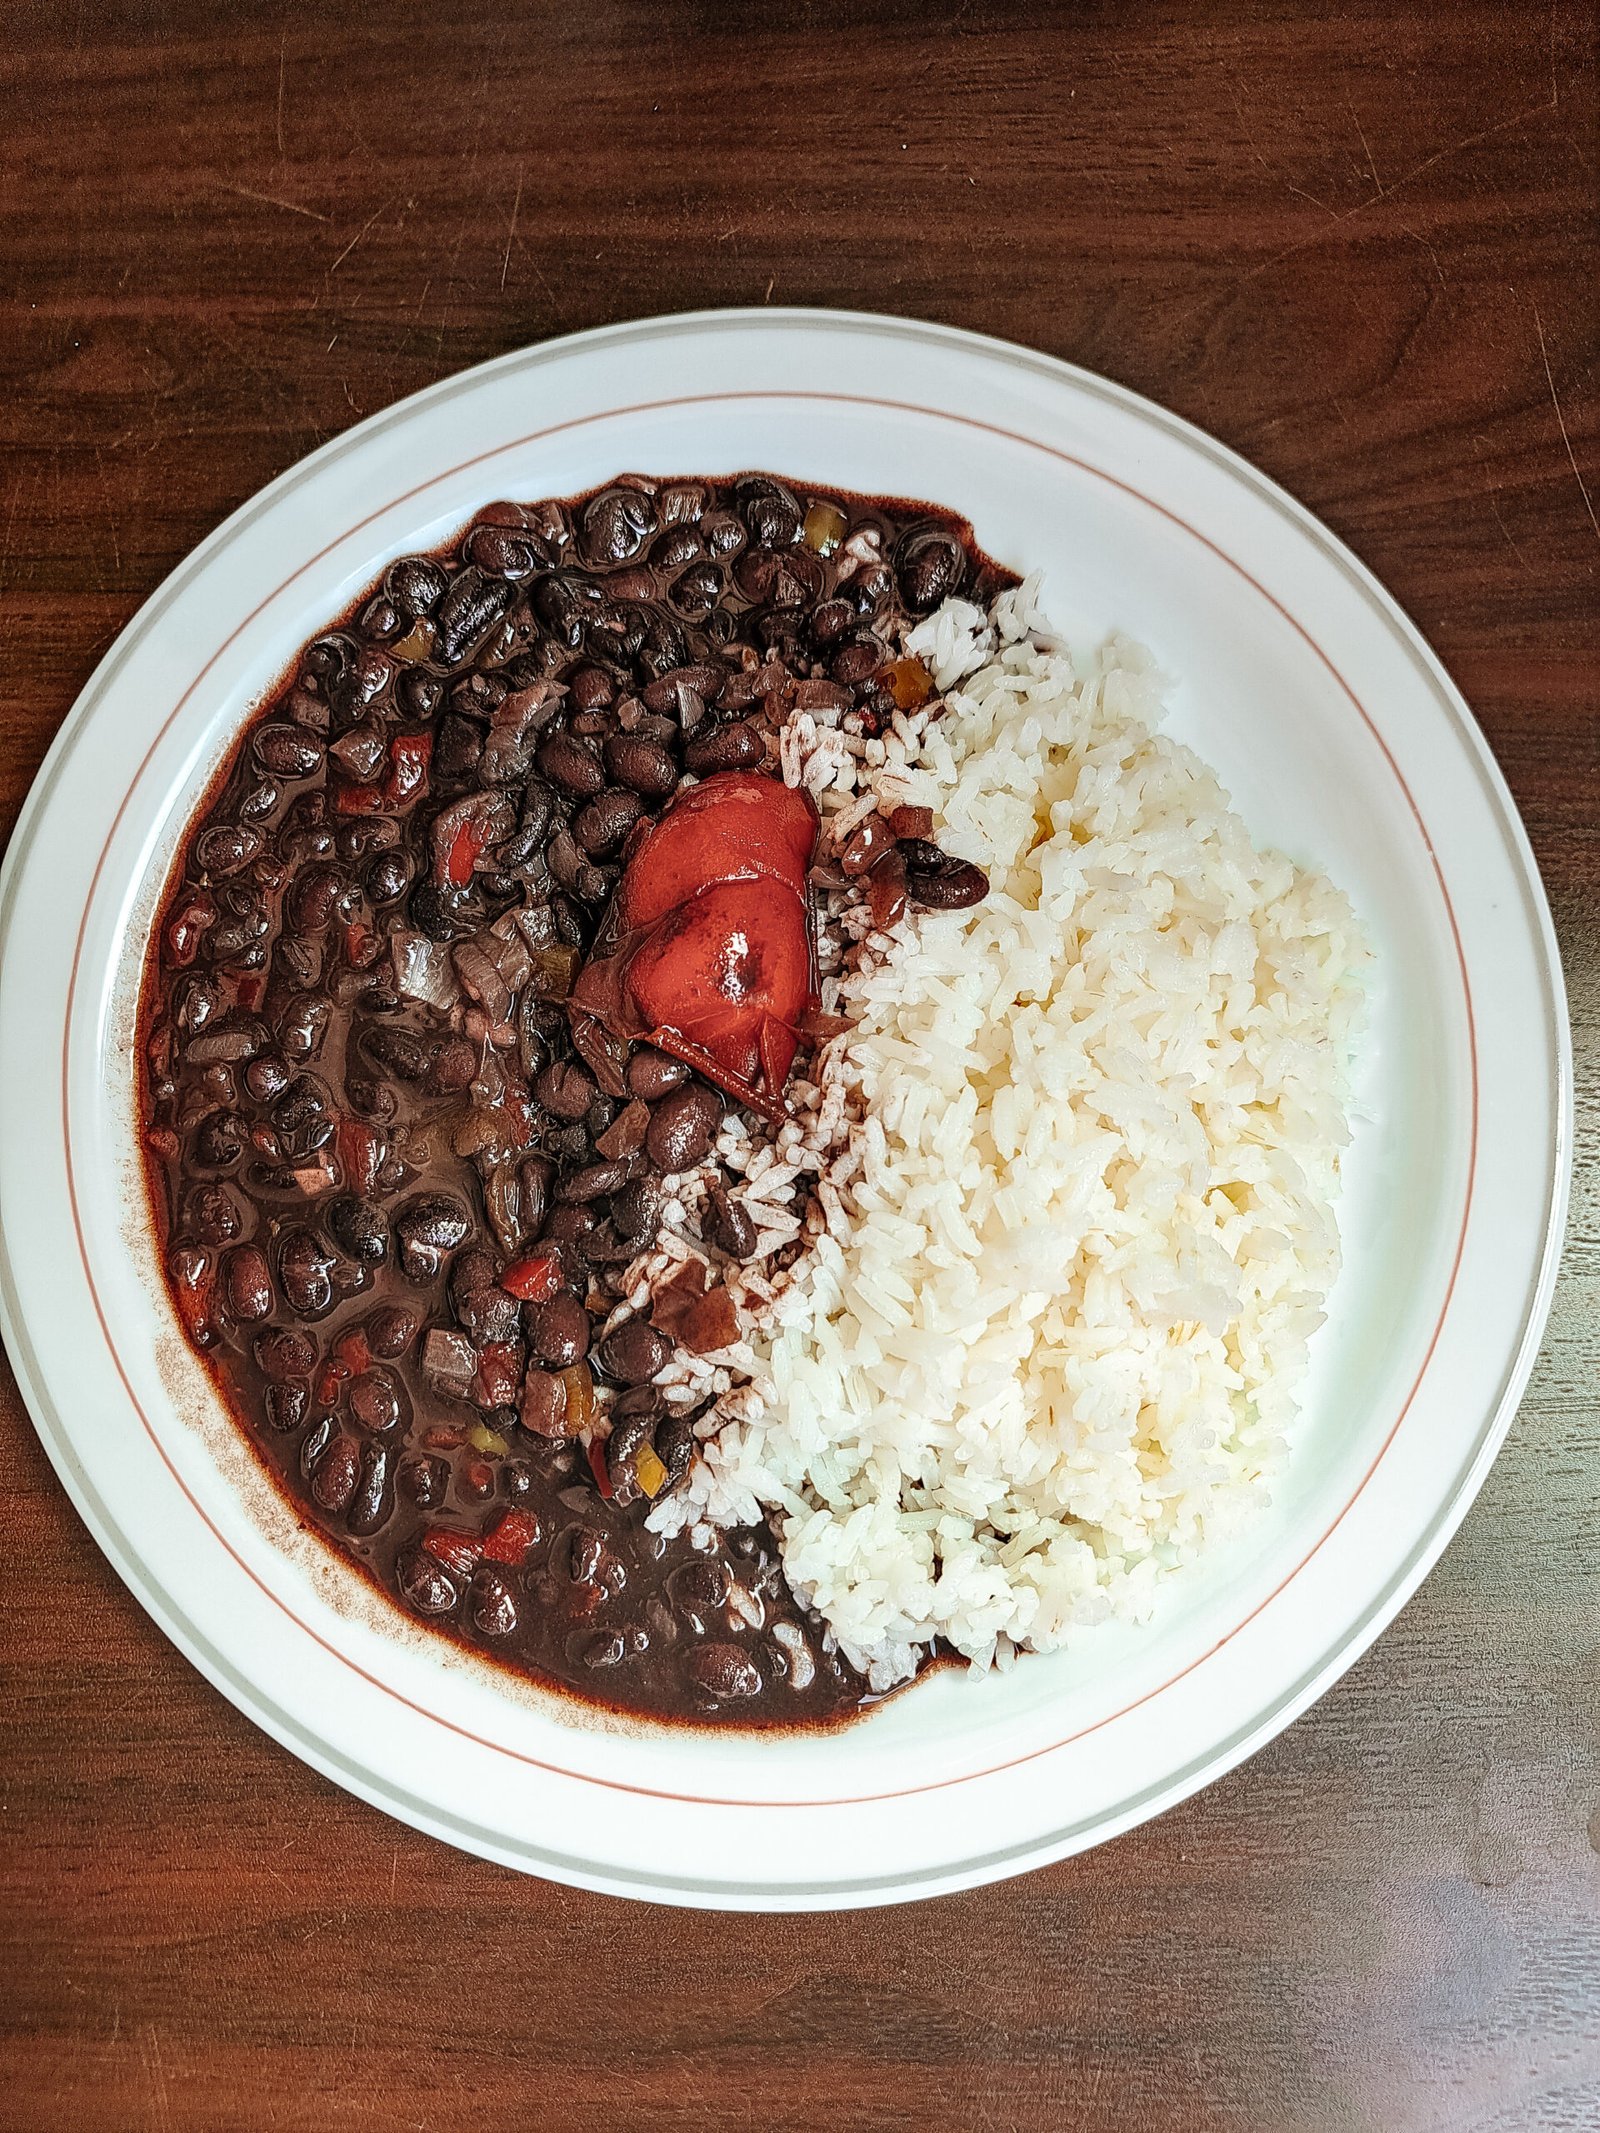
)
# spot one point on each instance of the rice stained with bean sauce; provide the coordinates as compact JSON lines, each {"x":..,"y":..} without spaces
{"x":1065,"y":1184}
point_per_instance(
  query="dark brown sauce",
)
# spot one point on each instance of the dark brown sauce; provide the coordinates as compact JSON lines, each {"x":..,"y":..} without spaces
{"x":298,"y":1108}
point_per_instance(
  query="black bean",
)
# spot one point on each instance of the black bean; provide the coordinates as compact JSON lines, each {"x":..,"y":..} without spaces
{"x":771,"y":513}
{"x":651,"y":1074}
{"x":312,"y":898}
{"x":427,"y":1229}
{"x":444,"y":915}
{"x":734,"y":747}
{"x":301,"y":1120}
{"x":473,"y":603}
{"x":334,"y":1477}
{"x":494,"y":1606}
{"x":634,"y":1352}
{"x":931,"y":565}
{"x":287,"y":751}
{"x":594,"y":1562}
{"x":831,"y":621}
{"x":700,"y":1591}
{"x":729,"y":1225}
{"x":388,"y":877}
{"x":682,"y":1127}
{"x":371,"y":1506}
{"x":636,"y":1213}
{"x":565,"y":1090}
{"x":266,"y":1077}
{"x":558,"y":1331}
{"x":377,"y":1400}
{"x":418,"y":693}
{"x":314,"y":1443}
{"x":508,"y":551}
{"x":304,"y":1266}
{"x":415,"y":583}
{"x":380,"y":620}
{"x":425,"y":1582}
{"x":601,"y":826}
{"x":211,"y":1214}
{"x":282,"y":1354}
{"x":724,"y":1671}
{"x":391,"y":1329}
{"x":360,"y":1228}
{"x":425,"y":1480}
{"x":642,"y":765}
{"x":567,"y":1144}
{"x":247,"y":1283}
{"x":615,"y":526}
{"x":592,"y":1182}
{"x":677,"y":546}
{"x":226,"y":849}
{"x":938,"y":881}
{"x":856,"y":661}
{"x":286,"y":1406}
{"x":676,"y":1445}
{"x":219,"y":1140}
{"x":571,"y":765}
{"x":604,"y":1648}
{"x":592,"y":688}
{"x":303,"y":1025}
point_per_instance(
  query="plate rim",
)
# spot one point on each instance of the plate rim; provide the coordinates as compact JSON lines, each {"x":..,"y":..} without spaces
{"x":1215,"y":1759}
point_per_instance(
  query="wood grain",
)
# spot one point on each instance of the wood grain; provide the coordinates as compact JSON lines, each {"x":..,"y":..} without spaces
{"x":1358,"y":245}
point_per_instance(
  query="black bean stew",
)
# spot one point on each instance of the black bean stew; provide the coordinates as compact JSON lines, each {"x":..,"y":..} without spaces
{"x":396,"y":1179}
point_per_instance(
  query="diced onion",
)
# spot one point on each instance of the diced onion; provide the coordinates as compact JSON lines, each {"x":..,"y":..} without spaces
{"x":423,"y":970}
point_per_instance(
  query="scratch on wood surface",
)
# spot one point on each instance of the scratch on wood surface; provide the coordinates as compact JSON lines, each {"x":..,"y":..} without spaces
{"x":505,"y":264}
{"x":360,"y":233}
{"x":1494,"y":506}
{"x":272,"y":200}
{"x":1561,"y":420}
{"x":283,"y":39}
{"x":150,"y":2052}
{"x":1348,"y":214}
{"x":111,"y":516}
{"x":1349,"y":105}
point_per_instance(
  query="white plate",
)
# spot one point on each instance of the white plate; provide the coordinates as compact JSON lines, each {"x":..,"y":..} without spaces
{"x":1342,"y":740}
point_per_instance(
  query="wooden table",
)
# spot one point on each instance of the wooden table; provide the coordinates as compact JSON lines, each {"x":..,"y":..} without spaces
{"x":1352,"y":242}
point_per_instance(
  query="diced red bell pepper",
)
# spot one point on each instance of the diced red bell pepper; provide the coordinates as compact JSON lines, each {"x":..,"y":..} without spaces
{"x":247,"y":993}
{"x":598,"y":1467}
{"x":360,"y":1152}
{"x":331,"y":1381}
{"x":351,"y":1352}
{"x":464,"y":855}
{"x":409,"y":757}
{"x":358,"y":800}
{"x":511,"y":1538}
{"x":499,"y":1374}
{"x":532,"y":1280}
{"x":459,"y":1552}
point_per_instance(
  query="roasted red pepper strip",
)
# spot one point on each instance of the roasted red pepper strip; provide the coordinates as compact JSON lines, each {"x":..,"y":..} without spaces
{"x":499,"y":1374}
{"x":351,"y":1352}
{"x":708,"y":949}
{"x":409,"y":757}
{"x":597,"y":1467}
{"x":533,"y":1280}
{"x":511,"y":1538}
{"x":464,"y":852}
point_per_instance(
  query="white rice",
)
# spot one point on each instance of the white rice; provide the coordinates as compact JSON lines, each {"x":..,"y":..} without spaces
{"x":1074,"y":1168}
